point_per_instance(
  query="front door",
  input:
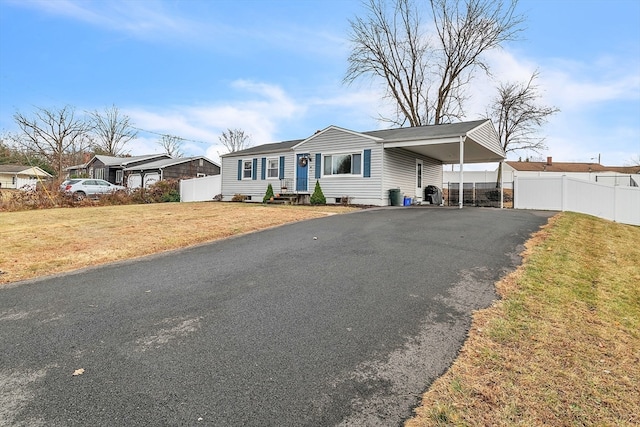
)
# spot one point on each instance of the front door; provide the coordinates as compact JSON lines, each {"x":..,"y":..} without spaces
{"x":419,"y":184}
{"x":302,"y":172}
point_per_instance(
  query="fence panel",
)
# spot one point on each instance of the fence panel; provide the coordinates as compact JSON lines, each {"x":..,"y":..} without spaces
{"x":200,"y":189}
{"x":615,"y":203}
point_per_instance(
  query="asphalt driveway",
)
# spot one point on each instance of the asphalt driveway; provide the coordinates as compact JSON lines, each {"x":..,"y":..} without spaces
{"x":343,"y":320}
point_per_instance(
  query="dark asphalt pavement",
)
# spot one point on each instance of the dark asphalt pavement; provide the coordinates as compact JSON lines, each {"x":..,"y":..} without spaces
{"x":274,"y":328}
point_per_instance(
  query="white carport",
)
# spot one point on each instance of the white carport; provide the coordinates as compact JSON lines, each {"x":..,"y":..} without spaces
{"x":455,"y":143}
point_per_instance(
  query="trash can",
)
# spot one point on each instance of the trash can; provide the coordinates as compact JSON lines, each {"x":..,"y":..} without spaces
{"x":407,"y":201}
{"x":395,"y":197}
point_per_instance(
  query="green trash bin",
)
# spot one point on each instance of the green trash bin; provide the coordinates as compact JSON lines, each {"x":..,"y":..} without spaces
{"x":395,"y":197}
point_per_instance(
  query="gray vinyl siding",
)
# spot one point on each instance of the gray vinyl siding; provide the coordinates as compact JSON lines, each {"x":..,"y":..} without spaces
{"x":400,"y":172}
{"x":256,"y":188}
{"x":358,"y":189}
{"x":485,"y":134}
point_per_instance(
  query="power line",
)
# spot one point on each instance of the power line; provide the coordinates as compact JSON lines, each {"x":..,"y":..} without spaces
{"x":175,"y":136}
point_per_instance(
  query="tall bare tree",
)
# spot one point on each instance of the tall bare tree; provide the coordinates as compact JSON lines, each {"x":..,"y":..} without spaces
{"x":426,"y":78}
{"x":172,"y":145}
{"x":518,"y":116}
{"x":113,"y":131}
{"x":56,"y":134}
{"x":234,"y":140}
{"x":388,"y":45}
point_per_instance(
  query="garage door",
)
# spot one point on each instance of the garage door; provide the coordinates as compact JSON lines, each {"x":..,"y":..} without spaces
{"x":151,"y":178}
{"x":134,"y":181}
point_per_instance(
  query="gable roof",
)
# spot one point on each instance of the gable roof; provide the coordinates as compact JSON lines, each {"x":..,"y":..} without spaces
{"x":441,"y":142}
{"x":265,"y":148}
{"x":123,"y":161}
{"x":164,"y":163}
{"x":24,"y":170}
{"x":554,"y":166}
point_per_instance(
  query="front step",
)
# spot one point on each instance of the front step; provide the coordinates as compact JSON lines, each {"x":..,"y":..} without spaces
{"x":290,"y":199}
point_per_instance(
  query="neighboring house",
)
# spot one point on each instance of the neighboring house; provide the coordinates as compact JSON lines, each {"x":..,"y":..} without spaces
{"x":145,"y":174}
{"x":360,"y":167}
{"x":18,"y":176}
{"x":614,"y":175}
{"x":112,"y":168}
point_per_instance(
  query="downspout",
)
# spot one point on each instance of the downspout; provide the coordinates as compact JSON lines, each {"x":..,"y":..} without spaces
{"x":461,"y":190}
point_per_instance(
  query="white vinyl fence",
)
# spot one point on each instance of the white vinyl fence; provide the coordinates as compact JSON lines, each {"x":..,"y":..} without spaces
{"x":616,"y":203}
{"x":200,"y":189}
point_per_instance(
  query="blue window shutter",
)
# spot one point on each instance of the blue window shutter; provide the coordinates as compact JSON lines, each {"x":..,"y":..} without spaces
{"x":367,"y":164}
{"x":263,"y":172}
{"x":281,"y":171}
{"x":254,"y":172}
{"x":318,"y":165}
{"x":239,"y":170}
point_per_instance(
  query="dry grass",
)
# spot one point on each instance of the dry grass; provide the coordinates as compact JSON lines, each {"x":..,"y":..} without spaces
{"x":42,"y":242}
{"x":562,"y":347}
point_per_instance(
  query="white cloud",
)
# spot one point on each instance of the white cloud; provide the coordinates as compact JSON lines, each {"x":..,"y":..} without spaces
{"x":260,"y":116}
{"x":144,"y":19}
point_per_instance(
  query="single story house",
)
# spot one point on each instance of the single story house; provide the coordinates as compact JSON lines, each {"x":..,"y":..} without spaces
{"x":615,"y":175}
{"x":359,"y":167}
{"x":19,"y":176}
{"x":144,"y":174}
{"x":111,"y":168}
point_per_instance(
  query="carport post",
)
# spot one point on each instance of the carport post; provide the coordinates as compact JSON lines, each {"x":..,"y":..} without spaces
{"x":461,"y":190}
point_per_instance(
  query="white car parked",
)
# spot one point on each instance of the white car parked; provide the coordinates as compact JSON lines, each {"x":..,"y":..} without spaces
{"x":89,"y":187}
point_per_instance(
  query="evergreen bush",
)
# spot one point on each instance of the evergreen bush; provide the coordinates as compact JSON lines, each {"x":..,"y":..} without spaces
{"x":317,"y":198}
{"x":268,"y":195}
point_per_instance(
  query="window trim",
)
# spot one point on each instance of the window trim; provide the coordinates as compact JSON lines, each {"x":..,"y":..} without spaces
{"x":343,"y":175}
{"x":276,"y":170}
{"x":244,"y":169}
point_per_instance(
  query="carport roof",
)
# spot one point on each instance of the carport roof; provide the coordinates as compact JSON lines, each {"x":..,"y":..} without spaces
{"x":442,"y":142}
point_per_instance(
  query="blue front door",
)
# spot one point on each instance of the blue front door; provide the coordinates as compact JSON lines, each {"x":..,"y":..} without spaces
{"x":302,"y":172}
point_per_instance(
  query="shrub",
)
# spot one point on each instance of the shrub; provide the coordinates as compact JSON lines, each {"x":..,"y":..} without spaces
{"x":269,"y":195}
{"x":317,"y":198}
{"x":238,"y":198}
{"x":158,"y":192}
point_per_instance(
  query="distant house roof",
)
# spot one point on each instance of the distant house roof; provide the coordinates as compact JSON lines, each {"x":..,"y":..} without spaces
{"x":553,"y":166}
{"x":24,"y":170}
{"x":164,"y":163}
{"x":123,"y":161}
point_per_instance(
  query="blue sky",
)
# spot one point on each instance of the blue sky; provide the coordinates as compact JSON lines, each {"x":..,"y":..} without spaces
{"x":194,"y":68}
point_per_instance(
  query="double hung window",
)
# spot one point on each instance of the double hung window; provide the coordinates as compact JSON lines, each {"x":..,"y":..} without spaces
{"x":247,"y":169}
{"x":273,"y":168}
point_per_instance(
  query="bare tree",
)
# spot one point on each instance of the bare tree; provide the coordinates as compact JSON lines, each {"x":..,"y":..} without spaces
{"x":113,"y":131}
{"x":426,"y":81}
{"x":234,"y":140}
{"x":172,"y":145}
{"x":388,"y":44}
{"x":466,"y":29}
{"x":518,"y":116}
{"x":55,"y":134}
